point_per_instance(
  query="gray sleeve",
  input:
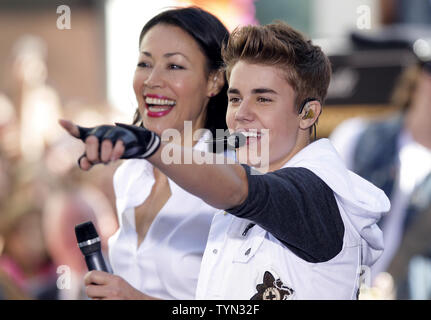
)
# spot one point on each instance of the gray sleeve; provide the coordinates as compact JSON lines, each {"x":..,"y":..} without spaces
{"x":296,"y":207}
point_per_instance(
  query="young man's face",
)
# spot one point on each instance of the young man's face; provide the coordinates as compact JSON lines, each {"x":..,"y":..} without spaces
{"x":260,"y":98}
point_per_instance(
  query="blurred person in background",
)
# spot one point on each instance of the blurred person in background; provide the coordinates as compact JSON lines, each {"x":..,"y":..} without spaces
{"x":62,"y":211}
{"x":24,"y":259}
{"x":406,"y":11}
{"x":35,"y":101}
{"x":8,"y":289}
{"x":394,"y":153}
{"x":157,"y":251}
{"x":25,"y":267}
{"x":33,"y":167}
{"x":411,"y":266}
{"x":37,"y":185}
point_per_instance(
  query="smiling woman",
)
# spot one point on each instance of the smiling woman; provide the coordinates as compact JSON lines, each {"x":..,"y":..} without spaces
{"x":171,"y":82}
{"x":157,"y":251}
{"x":180,"y":62}
{"x":163,"y":231}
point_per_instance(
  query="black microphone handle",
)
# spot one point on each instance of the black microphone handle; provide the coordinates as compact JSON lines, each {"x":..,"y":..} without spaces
{"x":95,"y":261}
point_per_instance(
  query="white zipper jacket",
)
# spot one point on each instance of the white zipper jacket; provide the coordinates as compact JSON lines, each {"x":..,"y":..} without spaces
{"x":240,"y":264}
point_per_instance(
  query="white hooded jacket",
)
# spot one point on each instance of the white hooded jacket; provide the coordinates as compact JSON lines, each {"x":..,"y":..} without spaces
{"x":365,"y":202}
{"x":259,"y":266}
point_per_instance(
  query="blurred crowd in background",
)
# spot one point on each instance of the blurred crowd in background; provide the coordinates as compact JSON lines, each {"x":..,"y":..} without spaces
{"x":43,"y":193}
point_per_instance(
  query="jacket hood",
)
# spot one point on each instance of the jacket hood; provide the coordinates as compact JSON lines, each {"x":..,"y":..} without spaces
{"x":363,"y":202}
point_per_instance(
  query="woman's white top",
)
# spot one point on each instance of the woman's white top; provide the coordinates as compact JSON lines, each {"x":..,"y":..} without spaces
{"x":166,"y":264}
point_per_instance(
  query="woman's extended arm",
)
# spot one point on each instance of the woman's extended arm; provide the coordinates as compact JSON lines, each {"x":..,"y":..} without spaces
{"x":218,"y":183}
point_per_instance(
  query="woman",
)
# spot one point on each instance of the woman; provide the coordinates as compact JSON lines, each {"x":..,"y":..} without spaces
{"x":163,"y":229}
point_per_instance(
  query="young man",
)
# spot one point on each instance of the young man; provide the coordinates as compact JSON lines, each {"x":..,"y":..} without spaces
{"x":305,"y":229}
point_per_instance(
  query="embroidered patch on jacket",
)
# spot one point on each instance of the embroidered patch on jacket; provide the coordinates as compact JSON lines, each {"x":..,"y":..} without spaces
{"x":271,"y":289}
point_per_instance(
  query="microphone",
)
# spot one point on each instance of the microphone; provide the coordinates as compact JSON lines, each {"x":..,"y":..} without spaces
{"x":235,"y":140}
{"x":89,"y":243}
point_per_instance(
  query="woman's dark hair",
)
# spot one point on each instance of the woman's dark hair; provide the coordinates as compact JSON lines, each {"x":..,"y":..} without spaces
{"x":210,"y":34}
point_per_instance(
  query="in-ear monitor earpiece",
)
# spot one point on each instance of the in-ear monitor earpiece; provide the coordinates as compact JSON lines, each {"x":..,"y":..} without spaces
{"x":309,"y":114}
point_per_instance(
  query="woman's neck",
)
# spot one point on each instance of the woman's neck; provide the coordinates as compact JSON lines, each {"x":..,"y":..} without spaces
{"x":190,"y":135}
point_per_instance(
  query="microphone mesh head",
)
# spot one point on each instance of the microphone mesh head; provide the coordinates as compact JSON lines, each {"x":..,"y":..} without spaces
{"x":85,"y":231}
{"x":236,"y":140}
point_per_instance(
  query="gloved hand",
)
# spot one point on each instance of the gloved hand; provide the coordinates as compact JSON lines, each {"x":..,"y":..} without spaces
{"x":138,"y":142}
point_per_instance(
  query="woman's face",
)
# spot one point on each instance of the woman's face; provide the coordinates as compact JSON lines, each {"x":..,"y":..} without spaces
{"x":171,"y":83}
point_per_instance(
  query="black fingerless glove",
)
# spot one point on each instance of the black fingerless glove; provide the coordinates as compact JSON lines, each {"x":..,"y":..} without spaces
{"x":139,"y":142}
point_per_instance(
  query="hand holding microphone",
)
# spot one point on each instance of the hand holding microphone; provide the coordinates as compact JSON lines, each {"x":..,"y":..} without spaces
{"x":99,"y":282}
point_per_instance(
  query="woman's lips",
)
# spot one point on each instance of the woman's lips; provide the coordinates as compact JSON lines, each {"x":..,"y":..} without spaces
{"x":158,"y":106}
{"x":156,"y":114}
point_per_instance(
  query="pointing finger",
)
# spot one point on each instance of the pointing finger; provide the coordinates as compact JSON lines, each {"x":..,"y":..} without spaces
{"x":69,"y":127}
